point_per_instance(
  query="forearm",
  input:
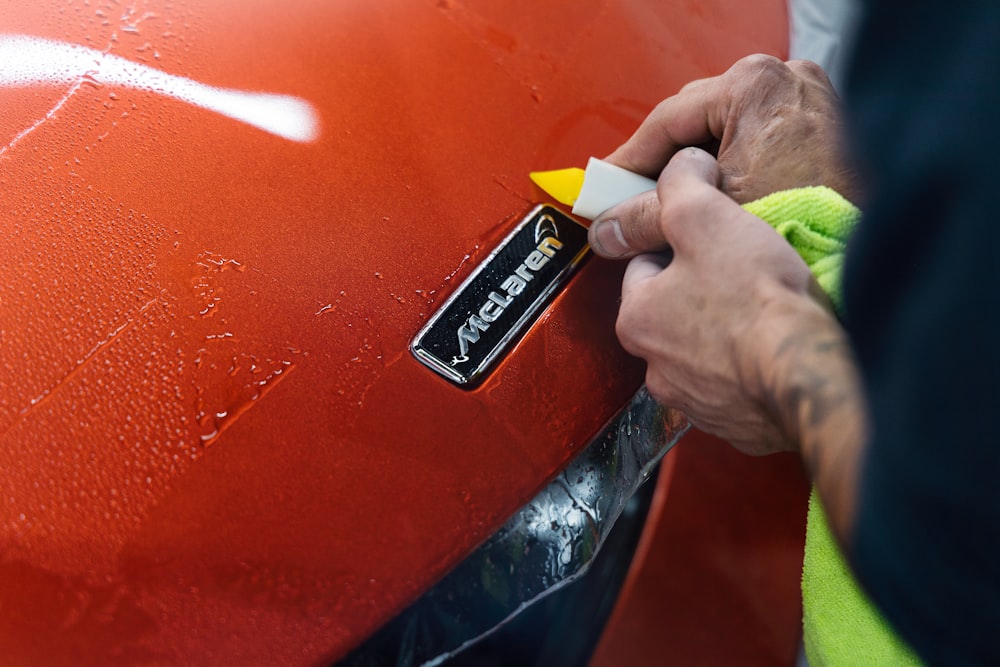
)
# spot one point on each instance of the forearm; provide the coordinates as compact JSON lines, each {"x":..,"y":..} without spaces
{"x":737,"y":333}
{"x":815,"y":392}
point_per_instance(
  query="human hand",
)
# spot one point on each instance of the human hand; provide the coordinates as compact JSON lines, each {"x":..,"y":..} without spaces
{"x":720,"y":323}
{"x":777,"y":126}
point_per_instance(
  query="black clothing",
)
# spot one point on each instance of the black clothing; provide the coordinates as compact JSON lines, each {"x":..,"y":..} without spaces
{"x":922,"y":299}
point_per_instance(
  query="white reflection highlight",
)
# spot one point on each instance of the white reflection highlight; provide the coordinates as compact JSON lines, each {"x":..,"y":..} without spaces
{"x":26,"y":61}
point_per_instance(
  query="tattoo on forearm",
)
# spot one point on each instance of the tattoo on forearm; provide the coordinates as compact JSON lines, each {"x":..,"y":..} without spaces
{"x":816,"y":385}
{"x":816,"y":395}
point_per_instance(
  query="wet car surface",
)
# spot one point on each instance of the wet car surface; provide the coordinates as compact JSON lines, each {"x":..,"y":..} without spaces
{"x":216,"y":445}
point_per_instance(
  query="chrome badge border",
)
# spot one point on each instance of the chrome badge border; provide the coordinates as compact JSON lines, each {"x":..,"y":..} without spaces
{"x":463,"y":302}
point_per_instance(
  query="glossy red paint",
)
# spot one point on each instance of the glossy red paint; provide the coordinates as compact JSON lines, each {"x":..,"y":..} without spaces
{"x":215,"y":445}
{"x":715,"y":579}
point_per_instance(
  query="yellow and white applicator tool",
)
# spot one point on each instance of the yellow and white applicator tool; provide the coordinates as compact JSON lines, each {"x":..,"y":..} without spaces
{"x":593,"y":191}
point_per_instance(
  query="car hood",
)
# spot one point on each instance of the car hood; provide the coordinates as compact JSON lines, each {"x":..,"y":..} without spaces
{"x":222,"y":225}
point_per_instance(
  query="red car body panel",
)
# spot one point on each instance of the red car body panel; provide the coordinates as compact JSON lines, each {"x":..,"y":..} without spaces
{"x":215,"y":444}
{"x":715,"y":579}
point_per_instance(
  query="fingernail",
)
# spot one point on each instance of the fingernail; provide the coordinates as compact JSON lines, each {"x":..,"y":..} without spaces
{"x":607,"y":239}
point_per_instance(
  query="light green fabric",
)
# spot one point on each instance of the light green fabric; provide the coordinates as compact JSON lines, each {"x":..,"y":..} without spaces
{"x":817,"y":222}
{"x":840,"y":626}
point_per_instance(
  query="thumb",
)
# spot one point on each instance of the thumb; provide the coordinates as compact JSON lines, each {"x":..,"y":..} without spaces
{"x":636,"y":225}
{"x":629,"y":228}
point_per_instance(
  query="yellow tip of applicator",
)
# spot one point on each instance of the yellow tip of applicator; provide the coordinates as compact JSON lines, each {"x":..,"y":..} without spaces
{"x":563,"y":185}
{"x":593,"y":191}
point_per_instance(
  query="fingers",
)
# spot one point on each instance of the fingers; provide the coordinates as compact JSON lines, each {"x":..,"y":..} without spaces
{"x":692,"y":166}
{"x":692,"y":117}
{"x":736,"y":112}
{"x":699,"y":113}
{"x":628,"y":228}
{"x":641,"y":268}
{"x":689,"y":197}
{"x":634,"y":326}
{"x":639,"y":224}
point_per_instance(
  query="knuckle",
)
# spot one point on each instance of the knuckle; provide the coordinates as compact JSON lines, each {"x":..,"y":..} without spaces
{"x":662,"y":111}
{"x":807,"y":69}
{"x":739,"y":187}
{"x":759,"y":67}
{"x":693,"y":86}
{"x":633,"y":322}
{"x":627,"y":325}
{"x":644,"y":233}
{"x":624,"y":333}
{"x":677,"y":211}
{"x":661,"y":390}
{"x":662,"y":107}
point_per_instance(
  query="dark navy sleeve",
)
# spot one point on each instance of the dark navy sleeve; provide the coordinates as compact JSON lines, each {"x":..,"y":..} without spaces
{"x":922,"y":298}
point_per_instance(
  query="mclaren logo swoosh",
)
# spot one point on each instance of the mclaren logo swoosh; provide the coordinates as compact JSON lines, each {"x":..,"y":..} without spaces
{"x":546,"y":228}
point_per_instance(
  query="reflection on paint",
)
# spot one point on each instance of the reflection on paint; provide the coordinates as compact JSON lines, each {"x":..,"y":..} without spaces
{"x":26,"y":61}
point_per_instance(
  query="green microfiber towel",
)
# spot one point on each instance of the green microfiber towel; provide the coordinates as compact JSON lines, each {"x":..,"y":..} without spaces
{"x":841,"y":628}
{"x":817,"y":222}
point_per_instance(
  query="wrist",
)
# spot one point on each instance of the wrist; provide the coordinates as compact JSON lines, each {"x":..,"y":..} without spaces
{"x":808,"y":382}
